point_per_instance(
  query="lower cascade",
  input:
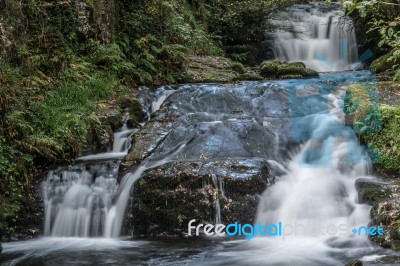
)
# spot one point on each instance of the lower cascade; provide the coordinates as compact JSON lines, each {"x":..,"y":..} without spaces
{"x":77,"y":200}
{"x":80,"y":201}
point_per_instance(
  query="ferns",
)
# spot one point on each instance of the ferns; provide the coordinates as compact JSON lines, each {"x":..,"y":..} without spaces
{"x":108,"y":56}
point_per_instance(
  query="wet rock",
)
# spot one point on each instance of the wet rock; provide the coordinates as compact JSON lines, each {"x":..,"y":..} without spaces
{"x":111,"y":116}
{"x":206,"y":119}
{"x":30,"y":216}
{"x":370,"y":191}
{"x":385,"y":212}
{"x":219,"y":141}
{"x":274,"y":69}
{"x":166,"y":198}
{"x":355,"y":263}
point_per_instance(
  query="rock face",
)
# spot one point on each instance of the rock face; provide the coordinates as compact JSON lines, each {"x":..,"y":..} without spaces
{"x":168,"y":197}
{"x":385,"y":212}
{"x":220,"y":141}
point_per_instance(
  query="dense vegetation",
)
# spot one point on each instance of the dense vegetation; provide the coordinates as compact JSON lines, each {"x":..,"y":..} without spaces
{"x":379,"y":21}
{"x":62,"y":61}
{"x":379,"y":24}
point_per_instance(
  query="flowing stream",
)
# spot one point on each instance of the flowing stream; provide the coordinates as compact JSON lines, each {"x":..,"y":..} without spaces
{"x":313,"y":195}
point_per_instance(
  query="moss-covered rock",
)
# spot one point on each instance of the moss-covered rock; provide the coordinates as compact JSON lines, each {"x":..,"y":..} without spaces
{"x":238,"y":67}
{"x":358,"y":103}
{"x":215,"y":69}
{"x":269,"y":68}
{"x":382,"y":64}
{"x":250,"y":76}
{"x":274,"y":69}
{"x":129,"y":104}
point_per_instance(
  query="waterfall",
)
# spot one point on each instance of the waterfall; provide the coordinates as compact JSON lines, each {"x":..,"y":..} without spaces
{"x":81,"y":200}
{"x":315,"y":198}
{"x":318,"y":188}
{"x":220,"y":193}
{"x":75,"y":205}
{"x":316,"y":35}
{"x":78,"y":199}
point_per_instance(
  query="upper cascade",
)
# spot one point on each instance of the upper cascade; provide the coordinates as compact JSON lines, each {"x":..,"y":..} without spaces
{"x":316,"y":35}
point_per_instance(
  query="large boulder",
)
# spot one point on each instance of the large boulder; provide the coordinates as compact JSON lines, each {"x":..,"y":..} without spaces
{"x":219,"y":142}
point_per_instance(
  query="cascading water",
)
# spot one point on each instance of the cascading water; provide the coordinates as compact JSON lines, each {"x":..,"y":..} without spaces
{"x":77,"y":200}
{"x":313,"y":192}
{"x":220,"y":193}
{"x":318,"y":195}
{"x":316,"y":35}
{"x":80,"y":201}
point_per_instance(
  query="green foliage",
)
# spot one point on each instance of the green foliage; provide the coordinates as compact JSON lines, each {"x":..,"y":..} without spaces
{"x":362,"y":108}
{"x":387,"y":141}
{"x":377,"y":125}
{"x":13,"y":164}
{"x":44,"y":124}
{"x":382,"y":24}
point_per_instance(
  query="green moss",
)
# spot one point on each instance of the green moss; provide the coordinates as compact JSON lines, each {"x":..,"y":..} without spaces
{"x":358,"y":103}
{"x":238,"y":67}
{"x":298,"y":64}
{"x":131,"y":105}
{"x":387,"y":140}
{"x":269,"y":68}
{"x":275,"y":69}
{"x":250,"y":76}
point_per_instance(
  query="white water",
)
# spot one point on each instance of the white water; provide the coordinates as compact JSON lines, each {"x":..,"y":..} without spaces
{"x":121,"y":145}
{"x":316,"y":195}
{"x":220,"y":193}
{"x":115,"y":216}
{"x":321,"y":39}
{"x":86,"y":199}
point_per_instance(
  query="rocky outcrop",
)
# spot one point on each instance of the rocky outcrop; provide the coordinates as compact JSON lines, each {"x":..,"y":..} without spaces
{"x":166,"y":198}
{"x":218,"y":142}
{"x":109,"y":119}
{"x":385,"y":212}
